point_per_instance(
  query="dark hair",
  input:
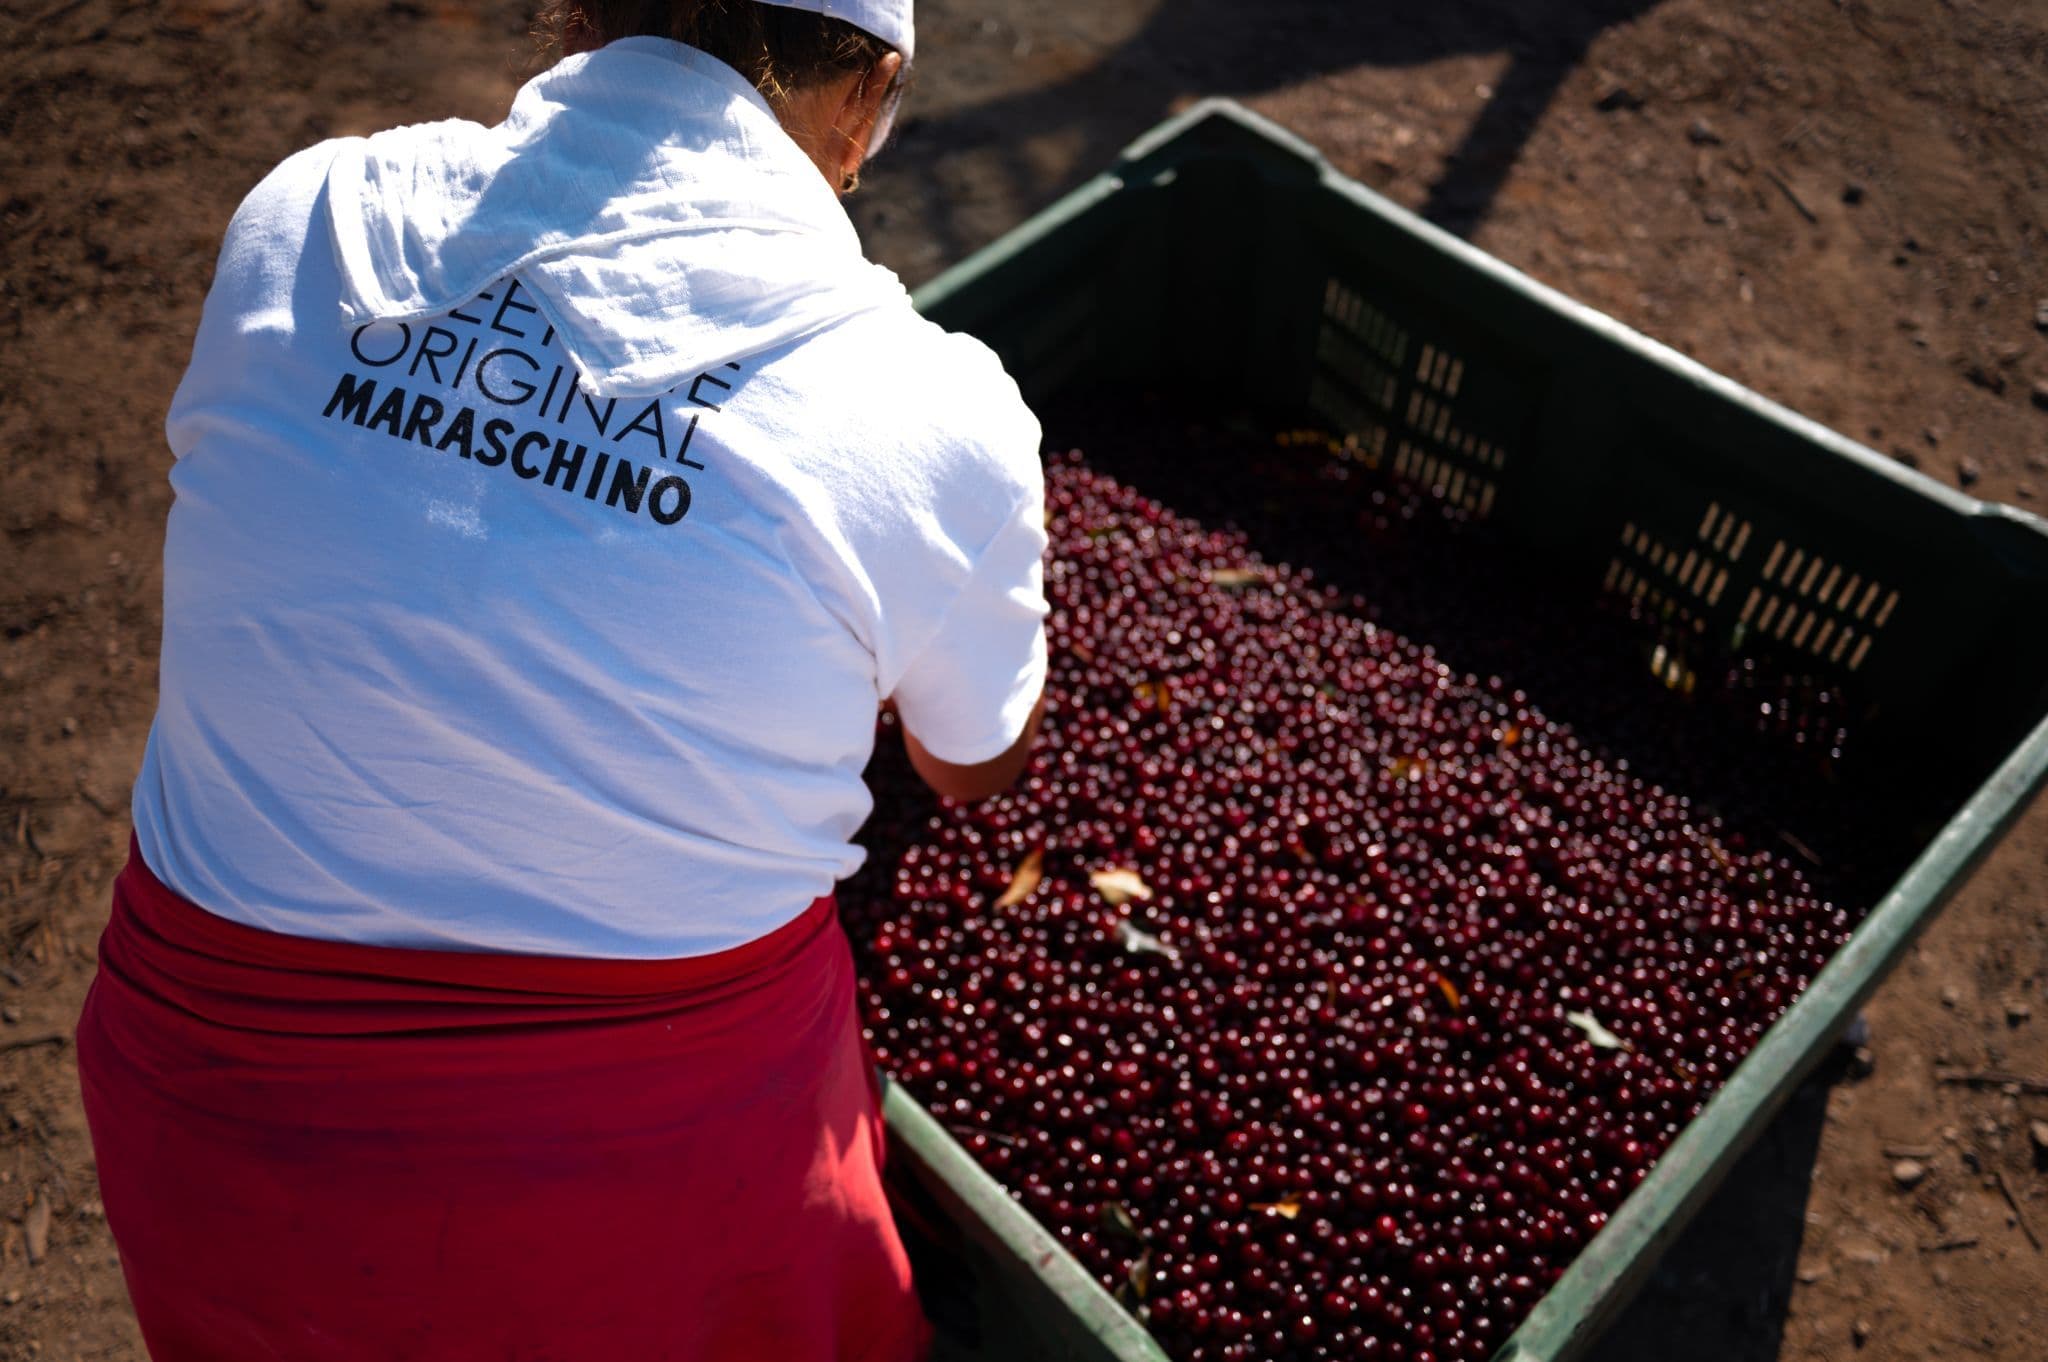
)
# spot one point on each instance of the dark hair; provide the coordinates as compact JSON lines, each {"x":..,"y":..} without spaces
{"x":779,"y":49}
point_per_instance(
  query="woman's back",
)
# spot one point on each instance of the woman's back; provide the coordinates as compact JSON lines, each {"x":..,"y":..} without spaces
{"x":511,"y":623}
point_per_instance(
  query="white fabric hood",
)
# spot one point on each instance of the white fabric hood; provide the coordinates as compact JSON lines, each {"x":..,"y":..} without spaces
{"x":645,"y":192}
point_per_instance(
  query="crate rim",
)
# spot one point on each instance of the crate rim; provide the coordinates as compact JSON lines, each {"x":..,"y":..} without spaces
{"x":1608,"y":1270}
{"x":1156,"y":153}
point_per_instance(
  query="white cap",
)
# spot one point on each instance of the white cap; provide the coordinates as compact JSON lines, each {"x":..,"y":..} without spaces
{"x":889,"y":20}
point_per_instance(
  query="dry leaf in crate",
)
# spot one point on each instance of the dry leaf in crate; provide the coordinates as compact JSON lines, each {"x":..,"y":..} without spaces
{"x":1140,"y":942}
{"x":1025,"y":878}
{"x":1130,"y":1292}
{"x":1601,"y":1037}
{"x":1288,"y":1206}
{"x":1120,"y":884}
{"x":1157,"y":692}
{"x":1117,"y":1219}
{"x":1409,"y":768}
{"x":1235,"y":579}
{"x":1451,"y":994}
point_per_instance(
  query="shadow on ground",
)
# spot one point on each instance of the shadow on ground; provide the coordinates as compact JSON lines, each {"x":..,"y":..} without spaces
{"x":1225,"y":47}
{"x":1720,"y":1292}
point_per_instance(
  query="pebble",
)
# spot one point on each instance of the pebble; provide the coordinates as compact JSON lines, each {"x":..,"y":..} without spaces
{"x":1909,"y":1172}
{"x":1860,"y":1332}
{"x":10,"y":1014}
{"x":36,"y":1228}
{"x":1852,"y":194}
{"x":2037,"y":1131}
{"x":2018,"y":1010}
{"x":1950,"y":994}
{"x":1985,"y":377}
{"x":1701,"y":134}
{"x":1968,"y":471}
{"x":2041,"y":393}
{"x":2041,"y":315}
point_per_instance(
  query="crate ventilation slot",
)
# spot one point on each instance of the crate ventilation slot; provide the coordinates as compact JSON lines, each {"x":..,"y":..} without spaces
{"x":1376,"y":383}
{"x":1802,"y":601}
{"x":1822,"y":607}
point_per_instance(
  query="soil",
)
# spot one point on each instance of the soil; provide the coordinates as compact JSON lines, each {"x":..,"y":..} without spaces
{"x":1841,"y":205}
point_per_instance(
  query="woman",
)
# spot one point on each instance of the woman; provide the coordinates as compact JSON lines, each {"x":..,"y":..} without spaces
{"x":556,"y":503}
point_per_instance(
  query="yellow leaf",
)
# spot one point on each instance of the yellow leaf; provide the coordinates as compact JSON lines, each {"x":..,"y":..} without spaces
{"x":1288,"y":1206}
{"x":1157,"y":692}
{"x":1119,"y":884}
{"x":1235,"y":579}
{"x":1410,"y":768}
{"x":1512,"y":736}
{"x":1450,"y":991}
{"x":1024,"y":879}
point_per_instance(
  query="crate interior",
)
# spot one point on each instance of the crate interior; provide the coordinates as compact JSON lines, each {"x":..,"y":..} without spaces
{"x":1226,"y":282}
{"x":1652,"y":558}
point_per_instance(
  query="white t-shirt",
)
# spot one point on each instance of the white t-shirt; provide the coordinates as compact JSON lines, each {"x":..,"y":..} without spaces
{"x":550,"y":612}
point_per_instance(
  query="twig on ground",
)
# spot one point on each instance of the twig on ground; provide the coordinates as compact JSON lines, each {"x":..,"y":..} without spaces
{"x":32,"y":1040}
{"x":1992,"y":1078}
{"x":2019,"y":1215}
{"x":1792,"y":198}
{"x":1950,"y":1245}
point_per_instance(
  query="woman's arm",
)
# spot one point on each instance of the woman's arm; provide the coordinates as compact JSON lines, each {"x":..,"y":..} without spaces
{"x":983,"y":778}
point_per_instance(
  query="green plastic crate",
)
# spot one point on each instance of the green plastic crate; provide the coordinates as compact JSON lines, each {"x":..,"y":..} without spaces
{"x":1223,"y":256}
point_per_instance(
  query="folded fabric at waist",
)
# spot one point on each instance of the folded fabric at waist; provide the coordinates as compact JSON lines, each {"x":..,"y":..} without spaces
{"x":251,"y":979}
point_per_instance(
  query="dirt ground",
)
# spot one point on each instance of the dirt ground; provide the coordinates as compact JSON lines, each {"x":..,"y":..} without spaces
{"x":1838,"y":202}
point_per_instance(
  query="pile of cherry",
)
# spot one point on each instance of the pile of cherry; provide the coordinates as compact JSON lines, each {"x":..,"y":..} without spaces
{"x":1323,"y":999}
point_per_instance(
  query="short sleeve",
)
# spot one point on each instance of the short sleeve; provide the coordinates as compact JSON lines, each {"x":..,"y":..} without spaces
{"x":967,"y":693}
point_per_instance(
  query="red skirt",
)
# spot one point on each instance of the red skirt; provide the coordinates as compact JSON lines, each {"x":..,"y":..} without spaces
{"x":310,"y":1150}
